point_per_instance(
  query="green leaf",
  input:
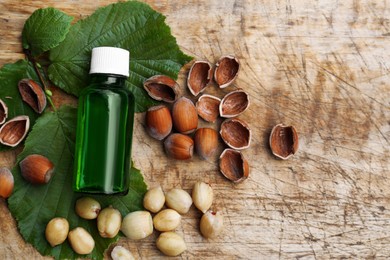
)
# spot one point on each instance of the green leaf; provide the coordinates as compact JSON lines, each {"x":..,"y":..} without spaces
{"x":130,"y":25}
{"x":10,"y":74}
{"x":44,"y":30}
{"x":33,"y":206}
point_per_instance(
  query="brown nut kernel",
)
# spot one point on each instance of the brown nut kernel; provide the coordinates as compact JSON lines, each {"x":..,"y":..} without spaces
{"x":87,"y":208}
{"x":56,"y":231}
{"x":36,"y":169}
{"x":200,"y":75}
{"x":236,"y":133}
{"x":226,"y":70}
{"x":179,"y":146}
{"x":109,"y":222}
{"x":283,"y":141}
{"x":208,"y":107}
{"x":14,"y":131}
{"x":158,"y":122}
{"x":3,"y":112}
{"x":6,"y":182}
{"x":233,"y":165}
{"x":206,"y":142}
{"x":184,"y":115}
{"x":234,"y":103}
{"x":33,"y":94}
{"x":81,"y":241}
{"x":161,"y":87}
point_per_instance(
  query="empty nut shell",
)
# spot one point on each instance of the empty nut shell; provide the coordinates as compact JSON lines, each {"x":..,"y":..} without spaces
{"x":179,"y":146}
{"x":283,"y":141}
{"x":200,"y":75}
{"x":33,"y":94}
{"x":226,"y":70}
{"x":208,"y":107}
{"x":6,"y":182}
{"x":161,"y":87}
{"x":158,"y":122}
{"x":236,"y":133}
{"x":234,"y":103}
{"x":184,"y":115}
{"x":36,"y":169}
{"x":206,"y":142}
{"x":233,"y":165}
{"x":3,"y":112}
{"x":14,"y":131}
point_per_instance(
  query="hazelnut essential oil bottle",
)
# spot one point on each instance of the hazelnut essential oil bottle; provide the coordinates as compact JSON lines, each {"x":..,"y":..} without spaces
{"x":105,"y":126}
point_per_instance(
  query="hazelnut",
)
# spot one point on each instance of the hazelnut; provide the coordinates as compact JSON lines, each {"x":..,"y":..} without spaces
{"x":211,"y":224}
{"x":158,"y":122}
{"x":109,"y":222}
{"x":56,"y":231}
{"x":184,"y":115}
{"x":202,"y":196}
{"x":179,"y":146}
{"x":283,"y":141}
{"x":171,"y":244}
{"x":166,"y":220}
{"x":200,"y":75}
{"x":33,"y":94}
{"x":154,"y":199}
{"x":206,"y":142}
{"x":81,"y":241}
{"x":137,"y":225}
{"x":121,"y":253}
{"x":233,"y":165}
{"x":87,"y":208}
{"x":207,"y":107}
{"x":226,"y":70}
{"x":36,"y":169}
{"x":6,"y":182}
{"x":178,"y":200}
{"x":14,"y":131}
{"x":161,"y":87}
{"x":234,"y":104}
{"x":3,"y":112}
{"x":236,"y":133}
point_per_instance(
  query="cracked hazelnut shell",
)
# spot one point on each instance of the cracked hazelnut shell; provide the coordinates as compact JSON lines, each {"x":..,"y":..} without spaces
{"x":6,"y":182}
{"x":233,"y":165}
{"x":226,"y":70}
{"x":33,"y":94}
{"x":234,"y":104}
{"x":158,"y":122}
{"x":199,"y":77}
{"x":162,"y":88}
{"x":36,"y":169}
{"x":184,"y":116}
{"x":14,"y":131}
{"x":236,"y":133}
{"x":207,"y":107}
{"x":283,"y":141}
{"x":3,"y":112}
{"x":179,"y":146}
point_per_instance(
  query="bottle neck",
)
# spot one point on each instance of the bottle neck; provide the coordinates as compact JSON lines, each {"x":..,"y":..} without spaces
{"x":108,"y":79}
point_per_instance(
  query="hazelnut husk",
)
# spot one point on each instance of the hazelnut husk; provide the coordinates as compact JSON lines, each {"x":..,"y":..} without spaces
{"x":283,"y":141}
{"x":158,"y":122}
{"x":36,"y":169}
{"x":179,"y":146}
{"x":162,"y":88}
{"x":14,"y":131}
{"x":199,"y":77}
{"x":208,"y":107}
{"x":6,"y":182}
{"x":3,"y":112}
{"x":206,"y":142}
{"x":236,"y":133}
{"x":33,"y":94}
{"x":233,"y":165}
{"x":226,"y":70}
{"x":184,"y":115}
{"x":234,"y":104}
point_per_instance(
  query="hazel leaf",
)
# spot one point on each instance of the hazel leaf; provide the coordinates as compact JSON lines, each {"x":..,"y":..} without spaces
{"x":129,"y":25}
{"x":44,"y":30}
{"x":33,"y":206}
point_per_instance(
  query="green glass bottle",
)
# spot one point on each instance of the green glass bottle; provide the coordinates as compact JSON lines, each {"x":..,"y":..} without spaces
{"x":105,"y":126}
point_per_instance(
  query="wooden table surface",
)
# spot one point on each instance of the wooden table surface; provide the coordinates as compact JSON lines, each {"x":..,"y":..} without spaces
{"x":322,"y":66}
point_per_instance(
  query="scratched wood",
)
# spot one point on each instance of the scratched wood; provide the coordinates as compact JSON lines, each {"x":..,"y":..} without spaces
{"x":322,"y":66}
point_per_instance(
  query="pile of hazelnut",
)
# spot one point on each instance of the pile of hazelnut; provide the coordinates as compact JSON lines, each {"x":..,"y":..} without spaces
{"x":183,"y":117}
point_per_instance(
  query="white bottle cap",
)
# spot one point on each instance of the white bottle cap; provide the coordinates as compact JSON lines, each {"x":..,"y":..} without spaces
{"x":110,"y":60}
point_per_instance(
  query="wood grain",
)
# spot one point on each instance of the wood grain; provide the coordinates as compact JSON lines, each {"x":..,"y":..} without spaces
{"x":322,"y":66}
